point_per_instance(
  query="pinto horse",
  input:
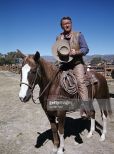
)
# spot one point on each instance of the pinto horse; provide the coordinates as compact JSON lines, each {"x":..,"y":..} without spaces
{"x":36,"y":70}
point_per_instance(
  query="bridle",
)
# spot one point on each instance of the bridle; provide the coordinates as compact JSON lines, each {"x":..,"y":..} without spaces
{"x":34,"y":83}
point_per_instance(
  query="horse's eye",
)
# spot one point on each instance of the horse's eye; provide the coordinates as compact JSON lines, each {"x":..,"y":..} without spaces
{"x":30,"y":72}
{"x":34,"y":71}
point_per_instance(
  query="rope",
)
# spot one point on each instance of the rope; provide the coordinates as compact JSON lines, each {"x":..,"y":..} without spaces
{"x":68,"y":82}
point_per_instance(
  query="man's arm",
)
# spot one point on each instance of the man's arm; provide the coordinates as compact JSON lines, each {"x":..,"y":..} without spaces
{"x":83,"y":47}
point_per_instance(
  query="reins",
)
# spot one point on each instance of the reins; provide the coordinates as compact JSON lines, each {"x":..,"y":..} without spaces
{"x":49,"y":83}
{"x":33,"y":85}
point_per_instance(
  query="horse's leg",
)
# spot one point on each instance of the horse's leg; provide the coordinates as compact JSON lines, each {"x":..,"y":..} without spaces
{"x":54,"y":129}
{"x":61,"y":120}
{"x":103,"y":108}
{"x":92,"y":117}
{"x":104,"y":117}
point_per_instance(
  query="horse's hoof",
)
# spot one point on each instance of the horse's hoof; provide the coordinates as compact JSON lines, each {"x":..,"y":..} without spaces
{"x":90,"y":134}
{"x":76,"y":143}
{"x":54,"y":150}
{"x":60,"y":151}
{"x":102,"y":138}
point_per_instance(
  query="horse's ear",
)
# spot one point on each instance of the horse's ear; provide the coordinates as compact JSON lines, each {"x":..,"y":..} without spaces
{"x":37,"y":56}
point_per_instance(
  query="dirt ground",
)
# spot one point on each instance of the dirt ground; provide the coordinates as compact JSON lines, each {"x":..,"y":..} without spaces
{"x":25,"y":129}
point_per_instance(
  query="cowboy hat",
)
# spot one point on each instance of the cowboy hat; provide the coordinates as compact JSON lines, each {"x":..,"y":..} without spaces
{"x":60,"y":51}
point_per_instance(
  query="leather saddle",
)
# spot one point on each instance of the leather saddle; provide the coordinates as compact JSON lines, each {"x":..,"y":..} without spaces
{"x":90,"y":78}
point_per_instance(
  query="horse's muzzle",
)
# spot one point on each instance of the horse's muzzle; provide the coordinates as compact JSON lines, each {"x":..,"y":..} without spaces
{"x":25,"y":99}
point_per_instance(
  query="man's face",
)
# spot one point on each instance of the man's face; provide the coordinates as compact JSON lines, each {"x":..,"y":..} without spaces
{"x":66,"y":25}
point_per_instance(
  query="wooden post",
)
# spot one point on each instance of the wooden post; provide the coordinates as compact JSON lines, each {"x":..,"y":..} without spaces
{"x":105,"y":69}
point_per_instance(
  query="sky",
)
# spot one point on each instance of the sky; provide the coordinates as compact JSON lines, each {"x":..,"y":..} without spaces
{"x":33,"y":25}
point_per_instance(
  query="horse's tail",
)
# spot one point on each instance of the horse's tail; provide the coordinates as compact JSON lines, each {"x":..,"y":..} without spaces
{"x":105,"y":103}
{"x":108,"y":103}
{"x":108,"y":106}
{"x":103,"y":95}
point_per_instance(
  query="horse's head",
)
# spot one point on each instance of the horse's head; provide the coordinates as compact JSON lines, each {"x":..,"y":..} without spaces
{"x":29,"y":76}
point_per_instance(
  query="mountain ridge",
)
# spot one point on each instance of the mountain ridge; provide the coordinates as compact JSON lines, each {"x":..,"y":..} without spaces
{"x":87,"y":58}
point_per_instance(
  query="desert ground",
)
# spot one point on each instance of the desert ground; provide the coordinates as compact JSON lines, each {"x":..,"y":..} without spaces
{"x":25,"y":129}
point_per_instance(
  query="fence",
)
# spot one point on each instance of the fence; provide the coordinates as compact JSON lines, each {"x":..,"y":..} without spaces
{"x":12,"y":68}
{"x":16,"y":68}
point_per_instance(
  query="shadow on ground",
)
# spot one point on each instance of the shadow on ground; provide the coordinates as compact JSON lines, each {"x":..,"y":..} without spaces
{"x":72,"y":127}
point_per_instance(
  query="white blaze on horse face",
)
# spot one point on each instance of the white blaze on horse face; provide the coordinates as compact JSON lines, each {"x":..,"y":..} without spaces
{"x":24,"y":88}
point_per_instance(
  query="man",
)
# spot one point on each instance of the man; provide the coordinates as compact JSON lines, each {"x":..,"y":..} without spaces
{"x":78,"y":49}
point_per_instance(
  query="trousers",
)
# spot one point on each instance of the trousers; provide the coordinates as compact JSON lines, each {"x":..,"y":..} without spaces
{"x":79,"y":73}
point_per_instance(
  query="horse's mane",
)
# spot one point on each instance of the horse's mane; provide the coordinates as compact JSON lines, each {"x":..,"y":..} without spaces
{"x":49,"y":68}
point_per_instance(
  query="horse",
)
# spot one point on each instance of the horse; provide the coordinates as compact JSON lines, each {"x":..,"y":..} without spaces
{"x":36,"y":70}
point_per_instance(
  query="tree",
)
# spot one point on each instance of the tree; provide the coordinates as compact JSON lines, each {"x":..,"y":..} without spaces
{"x":10,"y":57}
{"x":2,"y":61}
{"x":96,"y":60}
{"x":0,"y":54}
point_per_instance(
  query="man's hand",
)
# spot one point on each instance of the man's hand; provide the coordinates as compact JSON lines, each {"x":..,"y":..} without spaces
{"x":74,"y":52}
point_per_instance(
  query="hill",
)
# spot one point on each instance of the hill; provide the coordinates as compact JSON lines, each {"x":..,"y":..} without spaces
{"x":87,"y":58}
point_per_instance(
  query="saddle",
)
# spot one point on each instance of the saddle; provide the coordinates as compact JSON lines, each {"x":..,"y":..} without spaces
{"x":69,"y":83}
{"x":90,"y":78}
